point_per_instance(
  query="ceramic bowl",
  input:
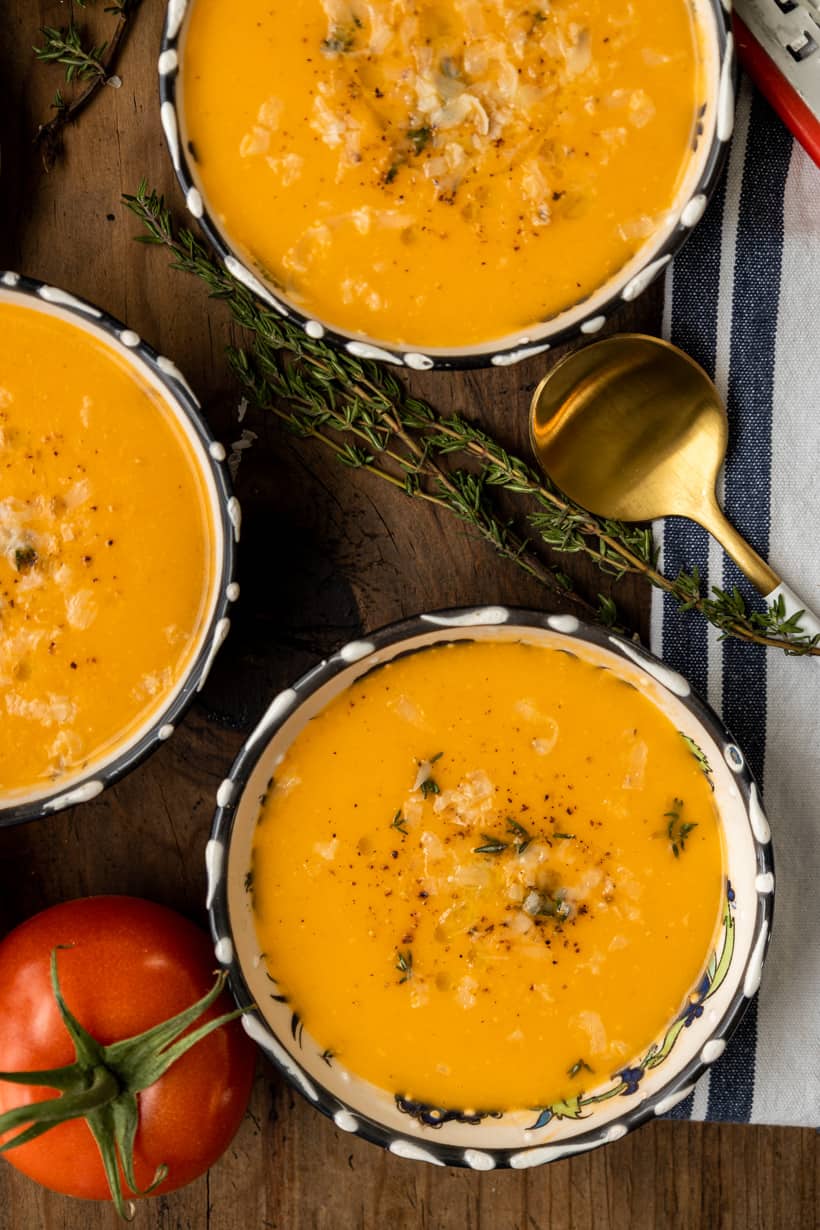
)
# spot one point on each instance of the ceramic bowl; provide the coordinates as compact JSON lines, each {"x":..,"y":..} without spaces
{"x":582,"y":319}
{"x":162,"y":376}
{"x":655,"y":1082}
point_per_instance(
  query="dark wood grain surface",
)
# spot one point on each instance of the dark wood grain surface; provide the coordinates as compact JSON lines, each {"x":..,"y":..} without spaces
{"x":325,"y":554}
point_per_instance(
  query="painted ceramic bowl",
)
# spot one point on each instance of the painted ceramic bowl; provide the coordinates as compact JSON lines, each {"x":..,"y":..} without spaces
{"x":653,"y":1083}
{"x":142,"y":371}
{"x":586,"y":316}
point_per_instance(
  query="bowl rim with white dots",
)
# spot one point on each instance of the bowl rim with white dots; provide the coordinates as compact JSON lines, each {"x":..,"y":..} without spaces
{"x":161,"y":375}
{"x":583,"y":319}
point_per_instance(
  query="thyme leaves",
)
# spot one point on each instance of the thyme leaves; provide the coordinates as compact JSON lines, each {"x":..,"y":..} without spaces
{"x":84,"y":62}
{"x":361,"y":413}
{"x":24,"y":558}
{"x":420,"y":137}
{"x":341,"y":39}
{"x":404,"y":965}
{"x":399,"y":823}
{"x":547,"y":905}
{"x":518,"y":830}
{"x":491,"y":845}
{"x":496,"y":845}
{"x":700,"y":756}
{"x":428,"y":785}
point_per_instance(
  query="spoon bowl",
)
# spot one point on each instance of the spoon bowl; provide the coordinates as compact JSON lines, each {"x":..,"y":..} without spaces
{"x":632,"y":428}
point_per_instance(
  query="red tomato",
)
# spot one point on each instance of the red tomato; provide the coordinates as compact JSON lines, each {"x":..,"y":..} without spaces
{"x":131,"y":965}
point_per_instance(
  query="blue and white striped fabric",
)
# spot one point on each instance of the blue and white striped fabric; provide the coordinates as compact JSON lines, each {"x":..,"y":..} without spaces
{"x":743,"y":298}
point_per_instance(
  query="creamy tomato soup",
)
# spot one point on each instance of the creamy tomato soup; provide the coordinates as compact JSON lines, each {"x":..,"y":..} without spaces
{"x":440,"y":173}
{"x":106,"y":569}
{"x":488,"y":875}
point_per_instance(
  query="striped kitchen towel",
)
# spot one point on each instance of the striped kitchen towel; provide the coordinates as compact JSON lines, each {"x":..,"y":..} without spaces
{"x":743,"y":298}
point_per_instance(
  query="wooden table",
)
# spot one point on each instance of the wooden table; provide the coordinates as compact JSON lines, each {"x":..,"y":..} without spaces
{"x":326,"y":555}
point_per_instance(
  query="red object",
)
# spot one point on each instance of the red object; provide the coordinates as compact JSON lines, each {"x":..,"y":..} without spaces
{"x":788,"y":104}
{"x":131,"y":964}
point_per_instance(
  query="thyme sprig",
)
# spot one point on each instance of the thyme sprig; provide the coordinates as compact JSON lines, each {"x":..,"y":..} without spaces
{"x":82,"y":61}
{"x":65,"y":46}
{"x":366,"y":417}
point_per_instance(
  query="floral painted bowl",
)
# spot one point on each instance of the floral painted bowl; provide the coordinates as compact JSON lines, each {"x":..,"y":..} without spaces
{"x":662,"y":1076}
{"x":586,"y":317}
{"x":162,"y":376}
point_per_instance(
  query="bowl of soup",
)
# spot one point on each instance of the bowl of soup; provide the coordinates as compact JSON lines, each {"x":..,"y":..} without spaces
{"x":456,"y":183}
{"x":493,"y":886}
{"x":117,"y":533}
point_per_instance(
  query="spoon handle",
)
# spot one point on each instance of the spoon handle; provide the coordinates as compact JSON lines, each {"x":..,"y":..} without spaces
{"x":765,"y":579}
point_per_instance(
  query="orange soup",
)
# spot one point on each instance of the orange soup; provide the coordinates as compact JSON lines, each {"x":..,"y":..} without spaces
{"x":488,"y":875}
{"x":445,"y":172}
{"x":106,"y":570}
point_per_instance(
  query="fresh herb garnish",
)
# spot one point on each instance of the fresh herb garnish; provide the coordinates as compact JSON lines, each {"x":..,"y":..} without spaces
{"x":518,"y":830}
{"x":404,"y":964}
{"x":700,"y":757}
{"x":341,"y":39}
{"x":495,"y":845}
{"x":430,"y":785}
{"x":399,"y":823}
{"x":419,"y":138}
{"x":563,"y":836}
{"x":550,"y":905}
{"x":580,"y":1065}
{"x":555,"y":906}
{"x":492,"y":845}
{"x":677,"y":830}
{"x":24,"y":558}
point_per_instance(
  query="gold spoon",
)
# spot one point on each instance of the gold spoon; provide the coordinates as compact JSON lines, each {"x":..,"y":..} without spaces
{"x":632,"y":428}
